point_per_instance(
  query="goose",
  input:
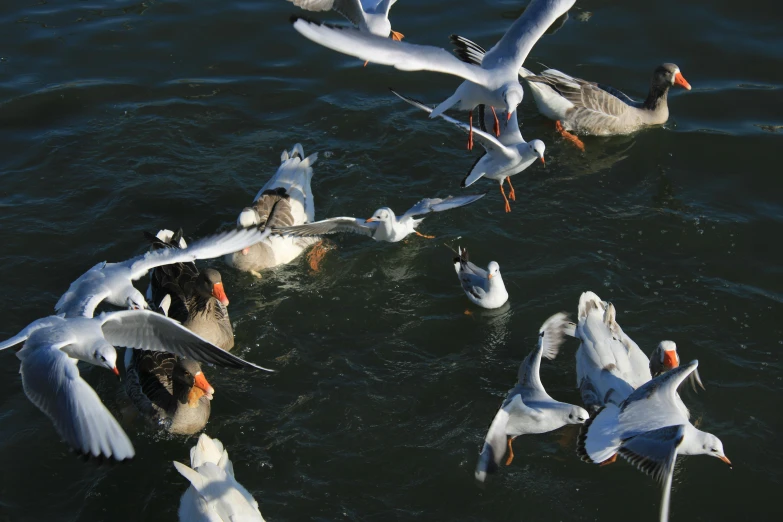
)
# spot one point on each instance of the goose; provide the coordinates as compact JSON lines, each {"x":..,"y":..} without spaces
{"x":51,"y":379}
{"x":289,"y":193}
{"x":528,"y":409}
{"x":214,"y":494}
{"x":484,"y":288}
{"x":198,"y":299}
{"x":503,"y":157}
{"x":649,"y":429}
{"x":494,"y":82}
{"x":113,"y":282}
{"x":383,"y":225}
{"x":369,"y":16}
{"x":664,"y":358}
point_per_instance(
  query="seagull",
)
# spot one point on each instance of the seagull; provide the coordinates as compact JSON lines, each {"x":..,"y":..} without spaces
{"x":483,"y":287}
{"x":51,"y":380}
{"x":528,"y":409}
{"x":214,"y":494}
{"x":384,"y":225}
{"x":493,"y":83}
{"x":113,"y":282}
{"x":370,"y":16}
{"x":504,"y":156}
{"x":649,"y":429}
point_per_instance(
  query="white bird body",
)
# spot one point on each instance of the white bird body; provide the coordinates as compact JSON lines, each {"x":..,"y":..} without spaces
{"x":528,"y":409}
{"x":484,"y":288}
{"x":384,"y":225}
{"x":649,"y":429}
{"x":370,"y":16}
{"x":214,"y":494}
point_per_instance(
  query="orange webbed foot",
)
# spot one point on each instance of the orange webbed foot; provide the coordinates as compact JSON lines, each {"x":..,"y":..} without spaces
{"x":610,"y":460}
{"x":316,"y":255}
{"x":510,"y":451}
{"x":397,"y":36}
{"x":423,"y":235}
{"x":569,"y":137}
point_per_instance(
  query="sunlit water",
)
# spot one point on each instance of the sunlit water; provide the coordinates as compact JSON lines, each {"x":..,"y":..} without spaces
{"x":118,"y":117}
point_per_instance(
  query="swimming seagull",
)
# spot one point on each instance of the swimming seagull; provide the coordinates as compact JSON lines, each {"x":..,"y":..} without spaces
{"x":504,"y":156}
{"x":649,"y":429}
{"x":113,"y":282}
{"x":483,"y":287}
{"x":52,"y":347}
{"x":492,"y":83}
{"x":528,"y":409}
{"x":370,"y":16}
{"x":384,"y":225}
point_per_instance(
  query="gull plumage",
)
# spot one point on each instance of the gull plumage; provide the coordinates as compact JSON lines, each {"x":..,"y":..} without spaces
{"x":484,"y":288}
{"x":370,"y":16}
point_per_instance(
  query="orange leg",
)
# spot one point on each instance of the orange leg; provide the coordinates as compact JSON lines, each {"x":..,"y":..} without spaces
{"x":497,"y":123}
{"x":569,"y":137}
{"x":508,"y":207}
{"x":316,"y":255}
{"x":422,"y":235}
{"x":610,"y":460}
{"x":511,"y":194}
{"x":397,"y":36}
{"x":470,"y":134}
{"x":510,"y":451}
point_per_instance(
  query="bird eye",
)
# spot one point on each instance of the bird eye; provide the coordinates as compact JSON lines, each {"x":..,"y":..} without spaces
{"x":714,"y":450}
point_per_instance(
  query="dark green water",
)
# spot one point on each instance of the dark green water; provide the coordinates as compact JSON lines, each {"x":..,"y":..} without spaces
{"x":119,"y":117}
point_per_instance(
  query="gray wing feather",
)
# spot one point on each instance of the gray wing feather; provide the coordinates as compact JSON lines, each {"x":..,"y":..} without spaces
{"x":329,"y":226}
{"x":655,"y":451}
{"x":426,"y":206}
{"x":147,"y":330}
{"x":350,"y":9}
{"x":52,"y":382}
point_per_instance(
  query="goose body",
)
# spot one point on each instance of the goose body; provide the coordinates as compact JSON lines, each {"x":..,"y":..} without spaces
{"x":289,"y":193}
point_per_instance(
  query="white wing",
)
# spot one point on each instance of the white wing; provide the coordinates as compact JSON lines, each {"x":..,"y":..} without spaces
{"x":45,"y":322}
{"x":209,"y":247}
{"x":385,"y":51}
{"x":488,"y":141}
{"x":52,"y":382}
{"x":512,"y":50}
{"x":350,"y":9}
{"x":425,"y":206}
{"x":147,"y":330}
{"x":330,"y":226}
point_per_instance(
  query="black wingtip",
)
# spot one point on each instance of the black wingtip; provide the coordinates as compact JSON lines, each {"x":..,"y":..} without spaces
{"x":294,"y":18}
{"x":581,"y":451}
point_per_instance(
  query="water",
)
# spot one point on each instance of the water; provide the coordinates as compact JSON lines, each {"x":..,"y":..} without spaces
{"x":119,"y":117}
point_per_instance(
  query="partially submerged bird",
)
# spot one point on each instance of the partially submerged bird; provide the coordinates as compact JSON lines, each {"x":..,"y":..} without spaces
{"x":198,"y":299}
{"x":483,"y":287}
{"x":383,"y":225}
{"x":214,"y":494}
{"x":288,"y":192}
{"x":528,"y":409}
{"x":503,"y":157}
{"x":494,"y":82}
{"x":587,"y":107}
{"x":649,"y":429}
{"x":370,"y":16}
{"x":52,"y":347}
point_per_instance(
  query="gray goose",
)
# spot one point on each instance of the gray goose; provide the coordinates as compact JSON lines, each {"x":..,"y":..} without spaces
{"x":587,"y":107}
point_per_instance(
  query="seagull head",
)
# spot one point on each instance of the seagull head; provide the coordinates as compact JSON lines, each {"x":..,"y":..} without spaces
{"x":711,"y":445}
{"x":512,"y":96}
{"x":381,"y":215}
{"x":493,"y":270}
{"x":105,"y":356}
{"x":577,"y":415}
{"x":537,"y":149}
{"x":134,"y":300}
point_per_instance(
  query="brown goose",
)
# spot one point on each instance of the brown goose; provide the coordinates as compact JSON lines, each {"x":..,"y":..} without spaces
{"x":169,"y":391}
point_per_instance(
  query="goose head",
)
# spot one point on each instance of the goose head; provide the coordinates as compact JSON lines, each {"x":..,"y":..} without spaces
{"x":664,"y":358}
{"x":190,"y":382}
{"x":210,"y":284}
{"x":668,"y":75}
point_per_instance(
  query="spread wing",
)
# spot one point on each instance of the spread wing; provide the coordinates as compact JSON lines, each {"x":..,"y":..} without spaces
{"x":350,"y":9}
{"x":52,"y":382}
{"x":655,"y":451}
{"x":147,"y":330}
{"x":425,"y":206}
{"x":330,"y":226}
{"x":512,"y":49}
{"x":385,"y":51}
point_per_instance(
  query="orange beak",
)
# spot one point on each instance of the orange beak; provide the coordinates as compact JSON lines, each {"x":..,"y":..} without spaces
{"x":508,"y":116}
{"x":543,"y":161}
{"x":202,"y":384}
{"x":220,"y":294}
{"x":370,"y":220}
{"x":115,"y":371}
{"x":489,"y":276}
{"x":726,"y":460}
{"x":670,"y":360}
{"x":680,"y":80}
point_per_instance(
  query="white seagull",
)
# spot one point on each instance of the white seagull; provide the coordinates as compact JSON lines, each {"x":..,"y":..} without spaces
{"x":384,"y":225}
{"x":494,"y":82}
{"x":370,"y":16}
{"x":113,"y":282}
{"x":504,"y":156}
{"x":483,"y":287}
{"x":52,"y":347}
{"x":528,"y":409}
{"x":649,"y":429}
{"x":214,"y":494}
